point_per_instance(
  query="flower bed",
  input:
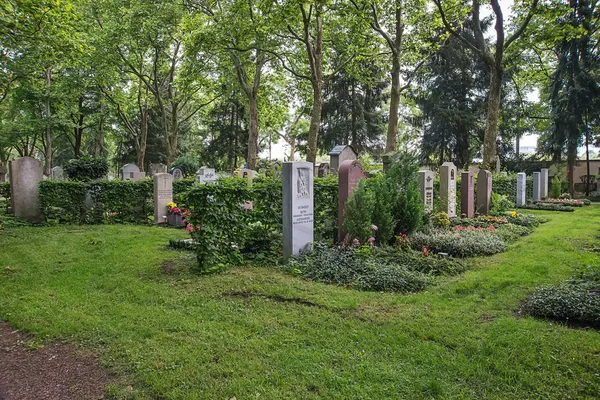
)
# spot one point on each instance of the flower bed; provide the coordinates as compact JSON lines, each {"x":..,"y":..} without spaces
{"x":566,"y":202}
{"x":548,"y":207}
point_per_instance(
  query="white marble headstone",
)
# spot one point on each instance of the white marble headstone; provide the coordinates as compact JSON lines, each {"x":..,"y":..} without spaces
{"x":537,"y":187}
{"x":544,"y":178}
{"x":163,"y":194}
{"x":298,"y":207}
{"x":448,"y":188}
{"x":521,"y":188}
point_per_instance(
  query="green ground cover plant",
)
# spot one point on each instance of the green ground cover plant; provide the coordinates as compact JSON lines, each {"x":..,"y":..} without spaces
{"x":255,"y":332}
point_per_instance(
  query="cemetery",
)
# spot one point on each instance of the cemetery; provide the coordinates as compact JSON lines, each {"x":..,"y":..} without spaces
{"x":386,"y":247}
{"x":363,"y":199}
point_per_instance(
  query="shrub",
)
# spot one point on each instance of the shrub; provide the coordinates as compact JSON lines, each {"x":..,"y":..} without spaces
{"x":382,"y":216}
{"x":568,"y":301}
{"x":440,"y":220}
{"x":86,"y":168}
{"x":326,"y":208}
{"x":530,"y":220}
{"x":187,"y":164}
{"x":416,"y":261}
{"x":501,"y":203}
{"x":548,"y":207}
{"x":358,"y":214}
{"x":407,"y":206}
{"x":555,"y":189}
{"x":346,"y":267}
{"x":460,"y":244}
{"x":512,"y":232}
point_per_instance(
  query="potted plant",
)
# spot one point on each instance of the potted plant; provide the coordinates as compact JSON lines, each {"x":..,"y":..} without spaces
{"x":174,"y":217}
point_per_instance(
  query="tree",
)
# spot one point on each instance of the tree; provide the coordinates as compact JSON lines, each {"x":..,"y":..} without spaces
{"x":495,"y":61}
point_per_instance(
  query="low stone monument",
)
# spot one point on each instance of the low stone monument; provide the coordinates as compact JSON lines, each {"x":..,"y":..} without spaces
{"x":351,"y":171}
{"x":448,"y":188}
{"x":128,"y":171}
{"x":163,"y":194}
{"x":544,"y":179}
{"x":323,"y":170}
{"x":484,"y":191}
{"x":537,"y":186}
{"x":467,"y":194}
{"x":298,"y":207}
{"x":521,"y":189}
{"x":177,"y":174}
{"x":57,"y":174}
{"x":3,"y":171}
{"x":339,"y":154}
{"x":388,"y":160}
{"x":25,"y":176}
{"x":426,"y":183}
{"x":246,"y":173}
{"x":205,"y":175}
{"x":157,"y":169}
{"x":498,"y":165}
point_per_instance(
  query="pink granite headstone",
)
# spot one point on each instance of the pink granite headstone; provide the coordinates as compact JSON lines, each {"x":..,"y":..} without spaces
{"x":484,"y":191}
{"x":467,"y":191}
{"x":350,"y":172}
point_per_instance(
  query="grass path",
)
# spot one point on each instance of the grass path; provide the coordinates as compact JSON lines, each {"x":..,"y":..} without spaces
{"x":256,"y":333}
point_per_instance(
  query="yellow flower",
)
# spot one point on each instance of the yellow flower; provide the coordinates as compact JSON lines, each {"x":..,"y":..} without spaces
{"x":171,"y":205}
{"x":514,"y":214}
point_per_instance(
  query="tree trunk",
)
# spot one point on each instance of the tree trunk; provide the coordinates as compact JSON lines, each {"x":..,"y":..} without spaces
{"x":571,"y":160}
{"x":518,"y":144}
{"x":252,"y":131}
{"x":315,"y":53}
{"x":493,"y":115}
{"x":100,"y":137}
{"x":587,"y":161}
{"x":392,"y":131}
{"x":353,"y":116}
{"x":48,"y":132}
{"x":292,"y":148}
{"x":141,"y":153}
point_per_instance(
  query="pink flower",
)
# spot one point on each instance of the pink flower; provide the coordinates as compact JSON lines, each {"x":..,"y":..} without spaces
{"x":374,"y":227}
{"x":355,"y":242}
{"x":189,"y":229}
{"x":425,"y":251}
{"x":371,"y":239}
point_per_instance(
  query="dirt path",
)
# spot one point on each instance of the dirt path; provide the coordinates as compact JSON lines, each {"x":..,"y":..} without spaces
{"x":55,"y":371}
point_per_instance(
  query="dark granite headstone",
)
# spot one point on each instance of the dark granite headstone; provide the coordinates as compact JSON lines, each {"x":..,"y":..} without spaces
{"x":467,"y":190}
{"x":350,"y":172}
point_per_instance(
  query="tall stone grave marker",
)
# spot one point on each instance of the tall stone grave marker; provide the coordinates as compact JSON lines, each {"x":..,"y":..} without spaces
{"x":467,"y":193}
{"x":350,"y":172}
{"x":498,"y":165}
{"x":246,"y":173}
{"x":205,"y":175}
{"x":3,"y":171}
{"x":448,"y":188}
{"x":339,"y":154}
{"x":57,"y":174}
{"x":537,"y":187}
{"x":157,"y":169}
{"x":25,"y":176}
{"x":521,"y":188}
{"x":426,"y":181}
{"x":163,"y":194}
{"x":298,"y":207}
{"x":484,"y":191}
{"x":544,"y":178}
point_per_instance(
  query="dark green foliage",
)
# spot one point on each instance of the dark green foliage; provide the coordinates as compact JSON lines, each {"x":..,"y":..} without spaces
{"x":464,"y":244}
{"x":5,"y":191}
{"x":548,"y":207}
{"x":346,"y":267}
{"x":182,"y":244}
{"x":512,"y":232}
{"x":382,"y":216}
{"x":63,"y":201}
{"x":501,"y":203}
{"x":556,"y":188}
{"x":407,"y":206}
{"x":416,"y":261}
{"x":326,"y":208}
{"x":86,"y":168}
{"x":358,"y":214}
{"x":506,"y":185}
{"x":267,"y":194}
{"x":576,"y":300}
{"x":187,"y":164}
{"x":180,"y":188}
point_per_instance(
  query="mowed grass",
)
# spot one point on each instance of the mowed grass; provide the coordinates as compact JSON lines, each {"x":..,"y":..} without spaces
{"x":257,"y":333}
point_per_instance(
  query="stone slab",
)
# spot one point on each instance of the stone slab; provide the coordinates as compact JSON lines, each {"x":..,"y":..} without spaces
{"x":448,"y":188}
{"x":521,"y":189}
{"x":298,"y":207}
{"x":467,"y":194}
{"x":426,"y":179}
{"x":484,"y":191}
{"x":25,"y":176}
{"x":163,"y":194}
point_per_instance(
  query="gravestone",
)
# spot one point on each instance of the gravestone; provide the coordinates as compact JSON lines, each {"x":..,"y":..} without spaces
{"x":25,"y":176}
{"x":338,"y":155}
{"x":163,"y":194}
{"x":57,"y":174}
{"x":128,"y":171}
{"x":351,"y":171}
{"x":298,"y":207}
{"x":246,"y":173}
{"x":521,"y":188}
{"x":206,"y":175}
{"x":3,"y":171}
{"x":388,"y":160}
{"x":544,"y":179}
{"x":537,"y":187}
{"x":177,"y":174}
{"x":484,"y":191}
{"x":426,"y":182}
{"x":497,"y":165}
{"x":157,"y":169}
{"x":467,"y":194}
{"x":323,"y":170}
{"x":448,"y":188}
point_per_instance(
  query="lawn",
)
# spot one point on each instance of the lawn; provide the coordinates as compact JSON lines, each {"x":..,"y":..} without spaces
{"x":257,"y":333}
